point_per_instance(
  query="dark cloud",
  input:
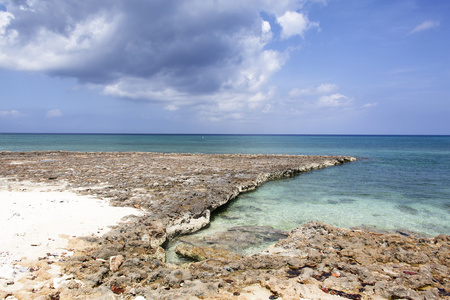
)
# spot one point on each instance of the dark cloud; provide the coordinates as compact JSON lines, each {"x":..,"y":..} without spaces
{"x":145,"y":49}
{"x":57,"y":16}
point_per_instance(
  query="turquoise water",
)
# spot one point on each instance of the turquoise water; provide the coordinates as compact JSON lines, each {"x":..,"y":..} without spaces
{"x":397,"y":182}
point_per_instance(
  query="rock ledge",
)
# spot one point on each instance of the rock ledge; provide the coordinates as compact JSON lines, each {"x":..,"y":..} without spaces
{"x":178,"y":192}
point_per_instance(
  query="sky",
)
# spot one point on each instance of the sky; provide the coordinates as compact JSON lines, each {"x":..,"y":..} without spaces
{"x":225,"y":66}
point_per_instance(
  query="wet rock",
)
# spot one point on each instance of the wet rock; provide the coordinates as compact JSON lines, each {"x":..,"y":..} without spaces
{"x":238,"y":239}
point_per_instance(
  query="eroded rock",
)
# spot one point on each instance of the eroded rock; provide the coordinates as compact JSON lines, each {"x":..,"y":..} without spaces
{"x":115,"y":262}
{"x":178,"y":192}
{"x":197,"y":253}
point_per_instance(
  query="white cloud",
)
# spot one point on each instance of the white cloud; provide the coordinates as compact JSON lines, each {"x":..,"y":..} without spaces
{"x":189,"y":54}
{"x":370,"y":105}
{"x":427,"y":25}
{"x":318,"y":99}
{"x":324,"y":88}
{"x":48,"y":50}
{"x":54,"y":113}
{"x":266,"y":31}
{"x":5,"y":19}
{"x":265,"y":27}
{"x":7,"y":36}
{"x":333,"y":101}
{"x":246,"y":87}
{"x":10,"y":113}
{"x":294,"y":23}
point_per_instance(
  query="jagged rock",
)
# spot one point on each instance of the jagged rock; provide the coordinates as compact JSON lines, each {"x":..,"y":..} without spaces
{"x":197,"y":253}
{"x":178,"y":192}
{"x":97,"y":277}
{"x":115,"y":262}
{"x":178,"y":277}
{"x":108,"y":251}
{"x":159,"y":254}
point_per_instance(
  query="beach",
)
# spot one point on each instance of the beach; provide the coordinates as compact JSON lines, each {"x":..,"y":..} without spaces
{"x":39,"y":220}
{"x":176,"y":194}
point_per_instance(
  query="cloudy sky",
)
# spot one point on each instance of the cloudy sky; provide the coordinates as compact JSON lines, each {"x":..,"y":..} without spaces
{"x":225,"y":66}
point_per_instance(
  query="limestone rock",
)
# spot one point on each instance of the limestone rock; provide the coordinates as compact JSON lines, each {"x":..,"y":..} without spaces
{"x":115,"y":262}
{"x":179,"y":191}
{"x":196,"y":253}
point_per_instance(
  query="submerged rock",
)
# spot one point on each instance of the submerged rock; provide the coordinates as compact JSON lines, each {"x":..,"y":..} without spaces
{"x":237,"y":239}
{"x":197,"y":253}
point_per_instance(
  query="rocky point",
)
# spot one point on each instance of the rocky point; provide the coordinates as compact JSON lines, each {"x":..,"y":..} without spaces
{"x":178,"y":193}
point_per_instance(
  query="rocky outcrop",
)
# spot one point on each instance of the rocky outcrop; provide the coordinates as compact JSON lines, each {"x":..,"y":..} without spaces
{"x":178,"y":193}
{"x":316,"y":261}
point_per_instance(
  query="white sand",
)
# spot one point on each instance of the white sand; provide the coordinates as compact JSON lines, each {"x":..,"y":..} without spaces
{"x":34,"y":223}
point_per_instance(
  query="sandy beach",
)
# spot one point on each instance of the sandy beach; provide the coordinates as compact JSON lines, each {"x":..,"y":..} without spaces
{"x":38,"y":221}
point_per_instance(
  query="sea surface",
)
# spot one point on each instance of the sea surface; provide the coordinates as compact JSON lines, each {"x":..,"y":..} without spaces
{"x":397,"y":181}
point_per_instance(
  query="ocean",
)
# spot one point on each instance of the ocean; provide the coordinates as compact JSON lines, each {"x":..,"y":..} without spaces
{"x":398,"y":182}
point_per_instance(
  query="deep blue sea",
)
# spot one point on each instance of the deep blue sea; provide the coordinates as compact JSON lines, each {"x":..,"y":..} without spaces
{"x":397,"y":182}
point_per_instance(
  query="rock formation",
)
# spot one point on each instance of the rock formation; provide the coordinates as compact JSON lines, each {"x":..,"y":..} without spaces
{"x":178,"y":193}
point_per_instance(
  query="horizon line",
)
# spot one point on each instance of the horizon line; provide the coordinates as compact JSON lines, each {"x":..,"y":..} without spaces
{"x":229,"y":134}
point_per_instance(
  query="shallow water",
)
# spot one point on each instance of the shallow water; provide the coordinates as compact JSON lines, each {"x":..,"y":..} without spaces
{"x":332,"y":196}
{"x":397,"y":182}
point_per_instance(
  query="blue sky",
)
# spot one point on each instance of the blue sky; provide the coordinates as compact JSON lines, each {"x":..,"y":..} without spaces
{"x":225,"y":66}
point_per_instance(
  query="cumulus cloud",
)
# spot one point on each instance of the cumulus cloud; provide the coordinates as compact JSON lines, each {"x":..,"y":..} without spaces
{"x":324,"y":88}
{"x":266,"y":31}
{"x":5,"y":19}
{"x":10,"y":113}
{"x":185,"y":53}
{"x":333,"y":101}
{"x":370,"y":105}
{"x":322,"y":97}
{"x":427,"y":25}
{"x":294,"y":23}
{"x":54,"y":113}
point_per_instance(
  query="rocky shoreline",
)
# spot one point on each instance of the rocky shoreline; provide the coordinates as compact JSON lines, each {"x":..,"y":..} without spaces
{"x":178,"y":192}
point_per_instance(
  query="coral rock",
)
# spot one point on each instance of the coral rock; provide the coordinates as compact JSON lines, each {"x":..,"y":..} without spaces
{"x":115,"y":262}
